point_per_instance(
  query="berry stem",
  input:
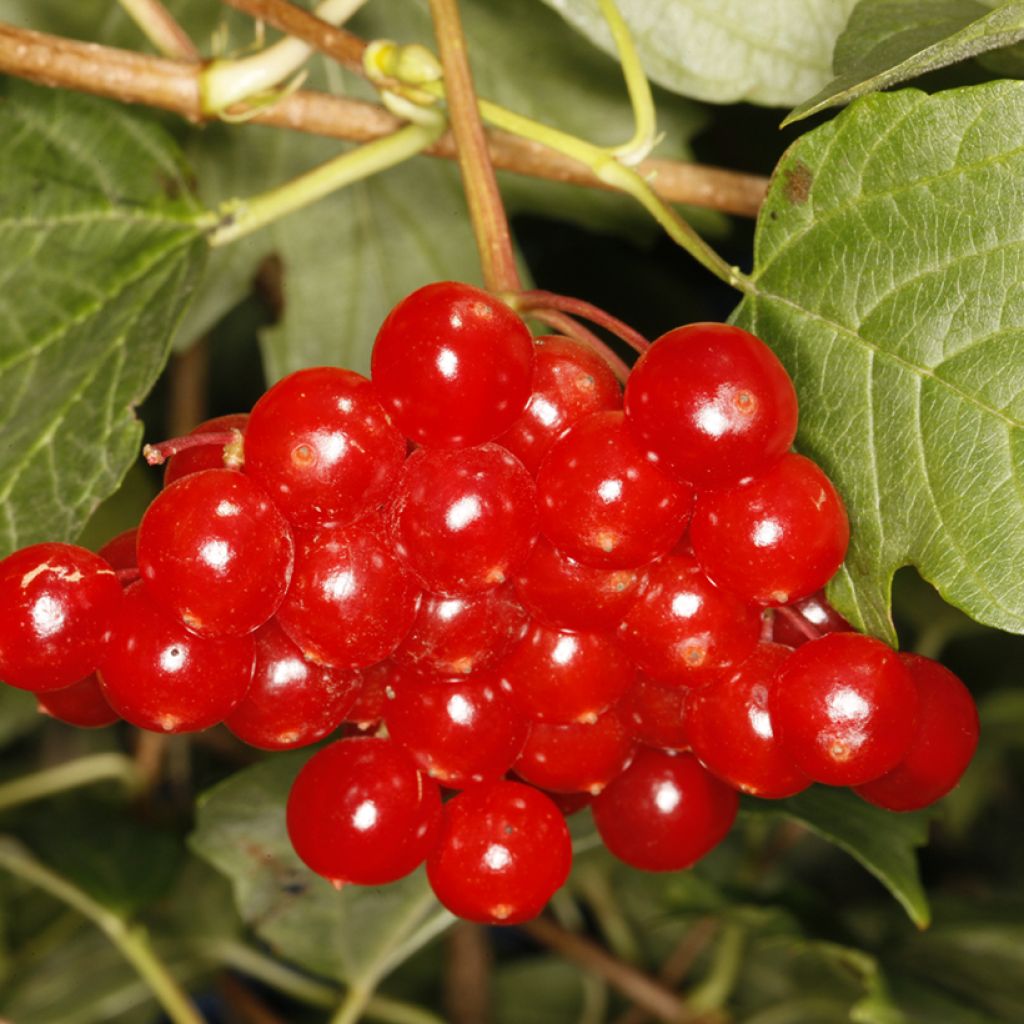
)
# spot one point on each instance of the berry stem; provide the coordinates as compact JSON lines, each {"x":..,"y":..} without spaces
{"x":797,"y":621}
{"x":486,"y":210}
{"x":573,"y":329}
{"x":240,"y":217}
{"x":82,"y":771}
{"x":131,"y":940}
{"x":160,"y":28}
{"x":126,"y":576}
{"x":528,"y":301}
{"x":158,"y":454}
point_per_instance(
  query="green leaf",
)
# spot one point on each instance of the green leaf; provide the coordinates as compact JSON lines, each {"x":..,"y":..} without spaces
{"x":883,"y":842}
{"x":356,"y":935}
{"x":98,"y":230}
{"x":19,"y":714}
{"x":888,"y":261}
{"x":890,"y":41}
{"x":773,"y":53}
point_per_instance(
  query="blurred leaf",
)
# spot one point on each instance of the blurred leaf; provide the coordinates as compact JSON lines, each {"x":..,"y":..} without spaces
{"x":19,"y":714}
{"x":891,"y":41}
{"x":775,"y":52}
{"x":353,"y":935}
{"x":555,"y":987}
{"x":102,"y":251}
{"x":123,"y":509}
{"x":883,"y":842}
{"x":888,"y":263}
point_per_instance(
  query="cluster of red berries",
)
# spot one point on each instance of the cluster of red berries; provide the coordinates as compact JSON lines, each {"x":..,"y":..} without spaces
{"x":549,"y":592}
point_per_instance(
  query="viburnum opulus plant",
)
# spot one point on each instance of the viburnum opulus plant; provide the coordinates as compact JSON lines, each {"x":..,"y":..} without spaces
{"x":484,"y":609}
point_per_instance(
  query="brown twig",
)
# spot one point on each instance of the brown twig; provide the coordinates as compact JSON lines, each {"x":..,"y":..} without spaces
{"x":174,"y":86}
{"x":467,"y":974}
{"x":639,"y":988}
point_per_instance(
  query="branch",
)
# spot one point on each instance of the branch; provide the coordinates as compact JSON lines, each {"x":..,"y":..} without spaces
{"x":174,"y":86}
{"x":160,"y":28}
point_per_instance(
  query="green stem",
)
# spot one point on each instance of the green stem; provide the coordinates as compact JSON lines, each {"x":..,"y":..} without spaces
{"x":715,"y":988}
{"x":644,"y":116}
{"x":81,"y":772}
{"x":240,"y":217}
{"x":486,"y":210}
{"x":272,"y":973}
{"x":131,"y":940}
{"x":159,"y":27}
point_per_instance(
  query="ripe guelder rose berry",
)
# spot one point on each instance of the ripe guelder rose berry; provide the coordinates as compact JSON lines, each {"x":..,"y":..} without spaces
{"x":775,"y":537}
{"x":844,"y":708}
{"x":502,"y":852}
{"x":463,"y":520}
{"x":81,"y":704}
{"x":602,"y":502}
{"x":205,"y":456}
{"x":942,"y":746}
{"x":656,"y":715}
{"x":807,"y":619}
{"x":56,"y":603}
{"x":730,"y":728}
{"x":216,"y":553}
{"x":360,"y":811}
{"x":453,"y":365}
{"x":570,"y":381}
{"x":664,"y":812}
{"x":712,"y":403}
{"x":321,"y":445}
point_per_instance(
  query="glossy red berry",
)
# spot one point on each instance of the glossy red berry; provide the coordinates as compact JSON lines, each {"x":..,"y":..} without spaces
{"x":656,"y":715}
{"x":602,"y":502}
{"x":453,"y":365}
{"x":807,"y":619}
{"x":844,"y":708}
{"x":207,"y":456}
{"x":291,"y":702}
{"x":360,"y":811}
{"x":458,"y":635}
{"x":560,"y":591}
{"x":683,"y":628}
{"x":321,"y":445}
{"x":351,"y":599}
{"x":214,"y":551}
{"x":158,"y":675}
{"x":664,"y":812}
{"x":581,"y":757}
{"x":120,"y":551}
{"x":502,"y":853}
{"x":562,"y":677}
{"x":463,"y":520}
{"x":367,"y":711}
{"x":570,"y":381}
{"x":56,"y":603}
{"x":943,"y":743}
{"x":712,"y":403}
{"x":730,"y":728}
{"x":459,"y":730}
{"x":774,"y":537}
{"x":81,"y":704}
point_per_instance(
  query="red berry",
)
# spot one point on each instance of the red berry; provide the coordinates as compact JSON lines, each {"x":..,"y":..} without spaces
{"x":81,"y":704}
{"x":459,"y":730}
{"x":360,"y":811}
{"x":321,"y":445}
{"x":215,"y":552}
{"x":570,"y":381}
{"x":664,"y":812}
{"x":581,"y":757}
{"x":562,"y":677}
{"x":292,"y":702}
{"x":807,"y":619}
{"x":207,"y":456}
{"x":712,"y":403}
{"x":844,"y":708}
{"x":656,"y":715}
{"x":602,"y":502}
{"x":120,"y":551}
{"x":351,"y":600}
{"x":683,"y":628}
{"x":562,"y":592}
{"x":774,"y":537}
{"x":943,"y":743}
{"x":503,"y":851}
{"x":730,"y":728}
{"x":453,"y":365}
{"x":458,"y":635}
{"x":367,"y":711}
{"x":158,"y":675}
{"x":56,"y":602}
{"x":463,"y":520}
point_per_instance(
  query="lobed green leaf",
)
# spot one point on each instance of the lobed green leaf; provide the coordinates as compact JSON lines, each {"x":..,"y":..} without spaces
{"x":888,"y":260}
